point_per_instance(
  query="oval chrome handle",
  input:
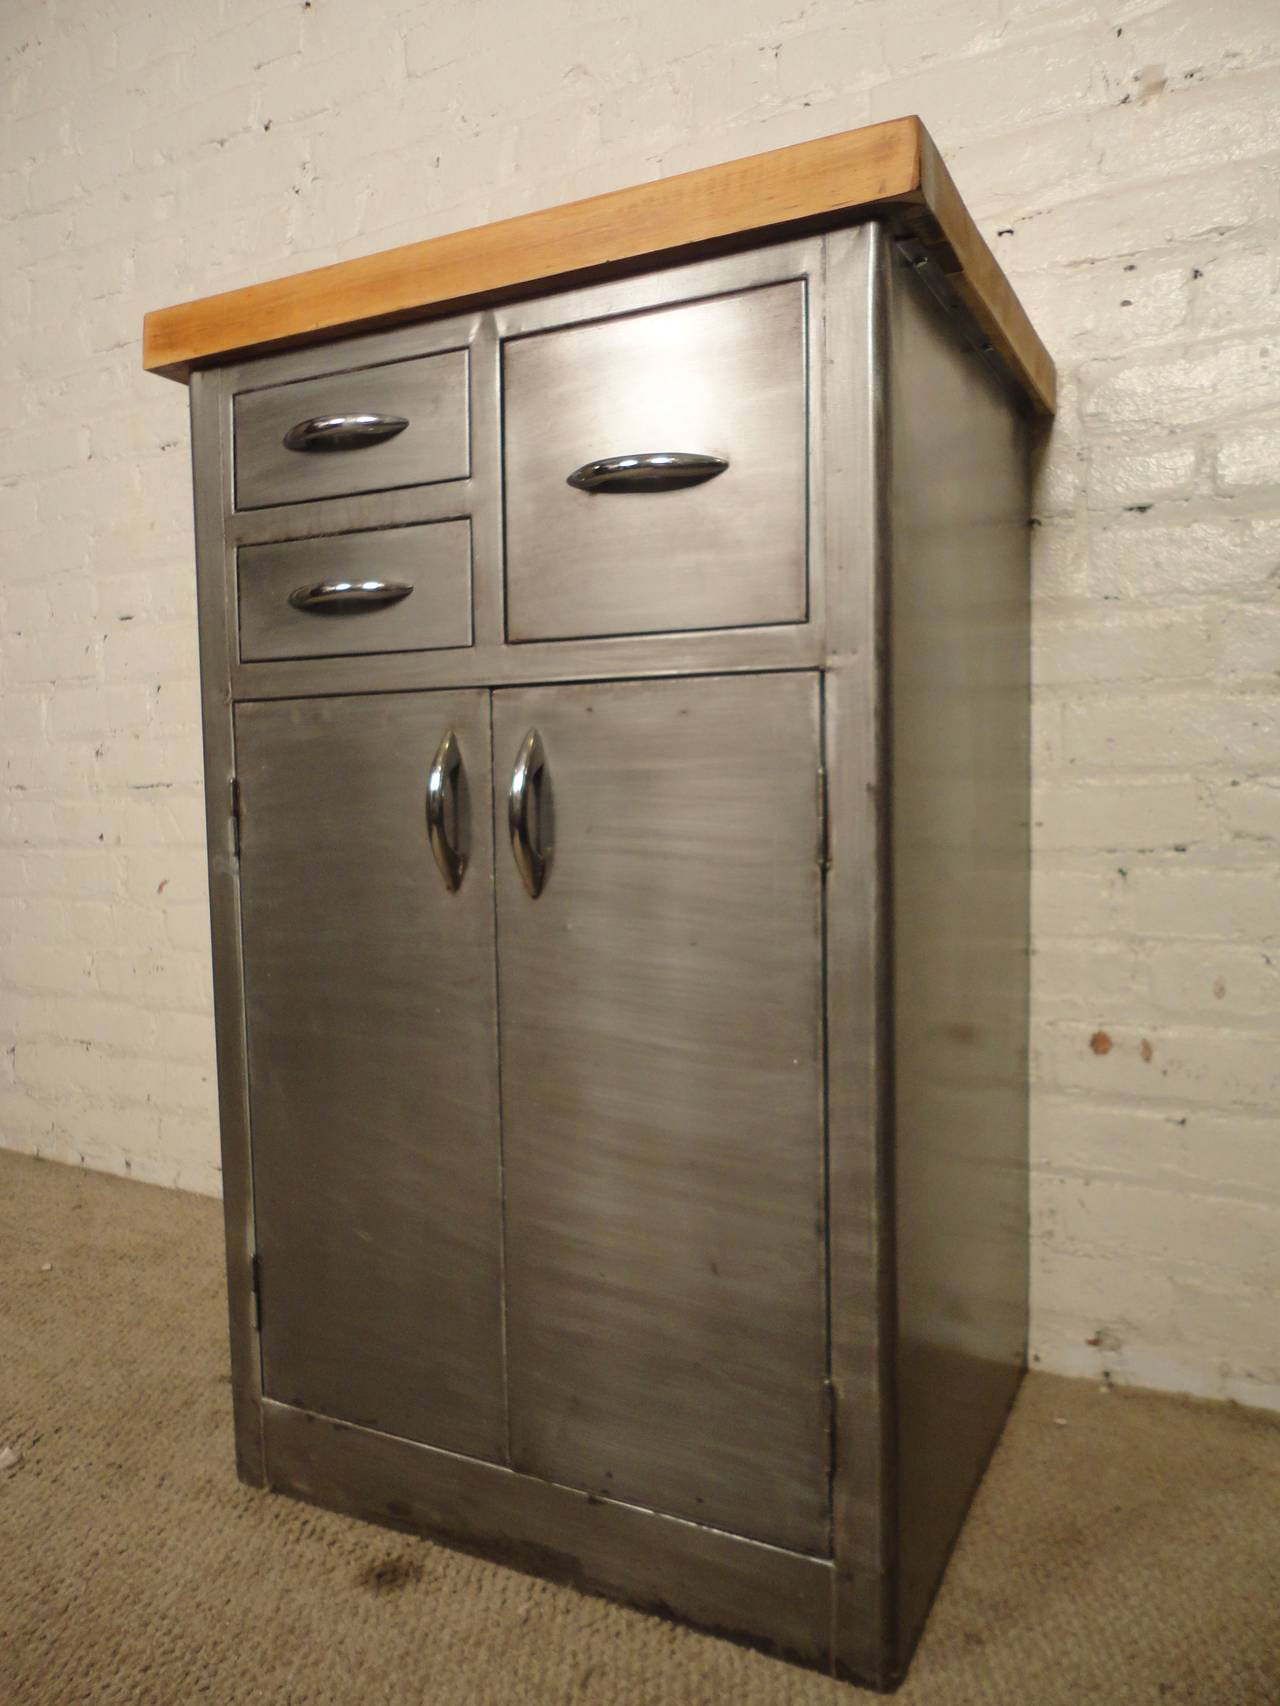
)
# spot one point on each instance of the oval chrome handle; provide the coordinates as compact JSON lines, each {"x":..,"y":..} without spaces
{"x":648,"y":471}
{"x":529,"y":783}
{"x":446,"y":793}
{"x":343,"y":432}
{"x":345,"y":597}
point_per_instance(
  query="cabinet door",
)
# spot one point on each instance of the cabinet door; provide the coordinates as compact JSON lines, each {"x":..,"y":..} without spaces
{"x":370,"y":1011}
{"x":662,"y":1098}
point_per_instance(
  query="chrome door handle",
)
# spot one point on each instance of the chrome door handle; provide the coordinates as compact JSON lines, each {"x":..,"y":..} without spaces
{"x":529,"y":789}
{"x":343,"y":432}
{"x":648,"y":471}
{"x":343,"y":597}
{"x":445,"y":783}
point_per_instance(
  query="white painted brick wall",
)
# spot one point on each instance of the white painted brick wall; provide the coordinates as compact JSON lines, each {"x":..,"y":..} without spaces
{"x":1124,"y":161}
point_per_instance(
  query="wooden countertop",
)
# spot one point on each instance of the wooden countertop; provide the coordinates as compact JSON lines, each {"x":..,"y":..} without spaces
{"x":892,"y":169}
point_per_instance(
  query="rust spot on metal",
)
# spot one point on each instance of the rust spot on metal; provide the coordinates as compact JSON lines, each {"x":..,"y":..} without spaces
{"x":1100,"y":1043}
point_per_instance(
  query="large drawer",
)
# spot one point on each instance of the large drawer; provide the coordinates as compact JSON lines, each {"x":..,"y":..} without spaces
{"x":348,"y":597}
{"x":655,"y":469}
{"x":344,"y":432}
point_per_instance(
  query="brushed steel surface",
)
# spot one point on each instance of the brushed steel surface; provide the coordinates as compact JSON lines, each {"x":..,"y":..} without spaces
{"x":727,"y":376}
{"x":346,"y":355}
{"x":359,"y":513}
{"x":433,"y":562}
{"x":324,"y":434}
{"x":662,"y":1104}
{"x":762,"y":1595}
{"x":449,"y":811}
{"x":662,"y":287}
{"x":959,"y":720}
{"x":430,"y":393}
{"x":857,"y":957}
{"x":485,"y":509}
{"x":372,"y":1040}
{"x":746,"y":651}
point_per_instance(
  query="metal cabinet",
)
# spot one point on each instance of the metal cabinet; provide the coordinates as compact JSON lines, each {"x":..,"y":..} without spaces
{"x":617,"y":829}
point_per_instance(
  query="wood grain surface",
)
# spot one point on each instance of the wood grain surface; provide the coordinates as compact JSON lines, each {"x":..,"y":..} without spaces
{"x":891,"y":168}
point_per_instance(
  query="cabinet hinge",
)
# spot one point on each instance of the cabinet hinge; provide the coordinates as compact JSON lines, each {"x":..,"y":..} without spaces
{"x":824,"y":843}
{"x":255,"y":1287}
{"x":235,"y":816}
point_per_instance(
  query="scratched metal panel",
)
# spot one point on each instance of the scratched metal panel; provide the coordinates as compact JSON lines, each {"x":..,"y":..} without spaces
{"x":662,"y":1101}
{"x":370,"y":1010}
{"x":761,"y":1595}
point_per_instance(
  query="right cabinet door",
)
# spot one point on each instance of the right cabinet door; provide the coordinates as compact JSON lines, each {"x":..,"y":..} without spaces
{"x":662,"y":1087}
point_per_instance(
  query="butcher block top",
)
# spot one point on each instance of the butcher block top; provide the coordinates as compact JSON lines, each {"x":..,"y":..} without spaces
{"x":890,"y":170}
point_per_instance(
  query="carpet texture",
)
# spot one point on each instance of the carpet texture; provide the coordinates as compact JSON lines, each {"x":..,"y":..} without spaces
{"x":1124,"y":1548}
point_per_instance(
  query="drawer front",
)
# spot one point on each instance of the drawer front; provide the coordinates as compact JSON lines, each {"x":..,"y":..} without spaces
{"x":345,"y":432}
{"x":349,"y":593}
{"x":685,"y":428}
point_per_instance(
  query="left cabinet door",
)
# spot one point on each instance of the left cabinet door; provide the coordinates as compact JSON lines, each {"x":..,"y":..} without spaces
{"x":370,"y":1010}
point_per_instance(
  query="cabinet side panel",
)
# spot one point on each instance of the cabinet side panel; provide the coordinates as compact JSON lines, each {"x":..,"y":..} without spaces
{"x":958,"y":711}
{"x":211,"y":459}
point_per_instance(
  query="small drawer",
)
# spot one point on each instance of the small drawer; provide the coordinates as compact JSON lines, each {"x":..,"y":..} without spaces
{"x":404,"y":424}
{"x":655,"y":470}
{"x":403,"y":589}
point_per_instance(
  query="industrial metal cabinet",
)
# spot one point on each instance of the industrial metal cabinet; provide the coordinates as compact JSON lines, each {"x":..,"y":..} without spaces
{"x":616,"y":745}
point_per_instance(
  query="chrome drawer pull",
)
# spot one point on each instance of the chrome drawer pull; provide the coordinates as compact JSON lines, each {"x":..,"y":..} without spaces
{"x":341,"y":597}
{"x":444,"y":800}
{"x":343,"y":432}
{"x":648,"y":471}
{"x":530,"y":847}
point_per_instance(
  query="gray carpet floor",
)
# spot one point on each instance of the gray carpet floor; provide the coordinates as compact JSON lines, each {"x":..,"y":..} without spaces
{"x":1124,"y":1548}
